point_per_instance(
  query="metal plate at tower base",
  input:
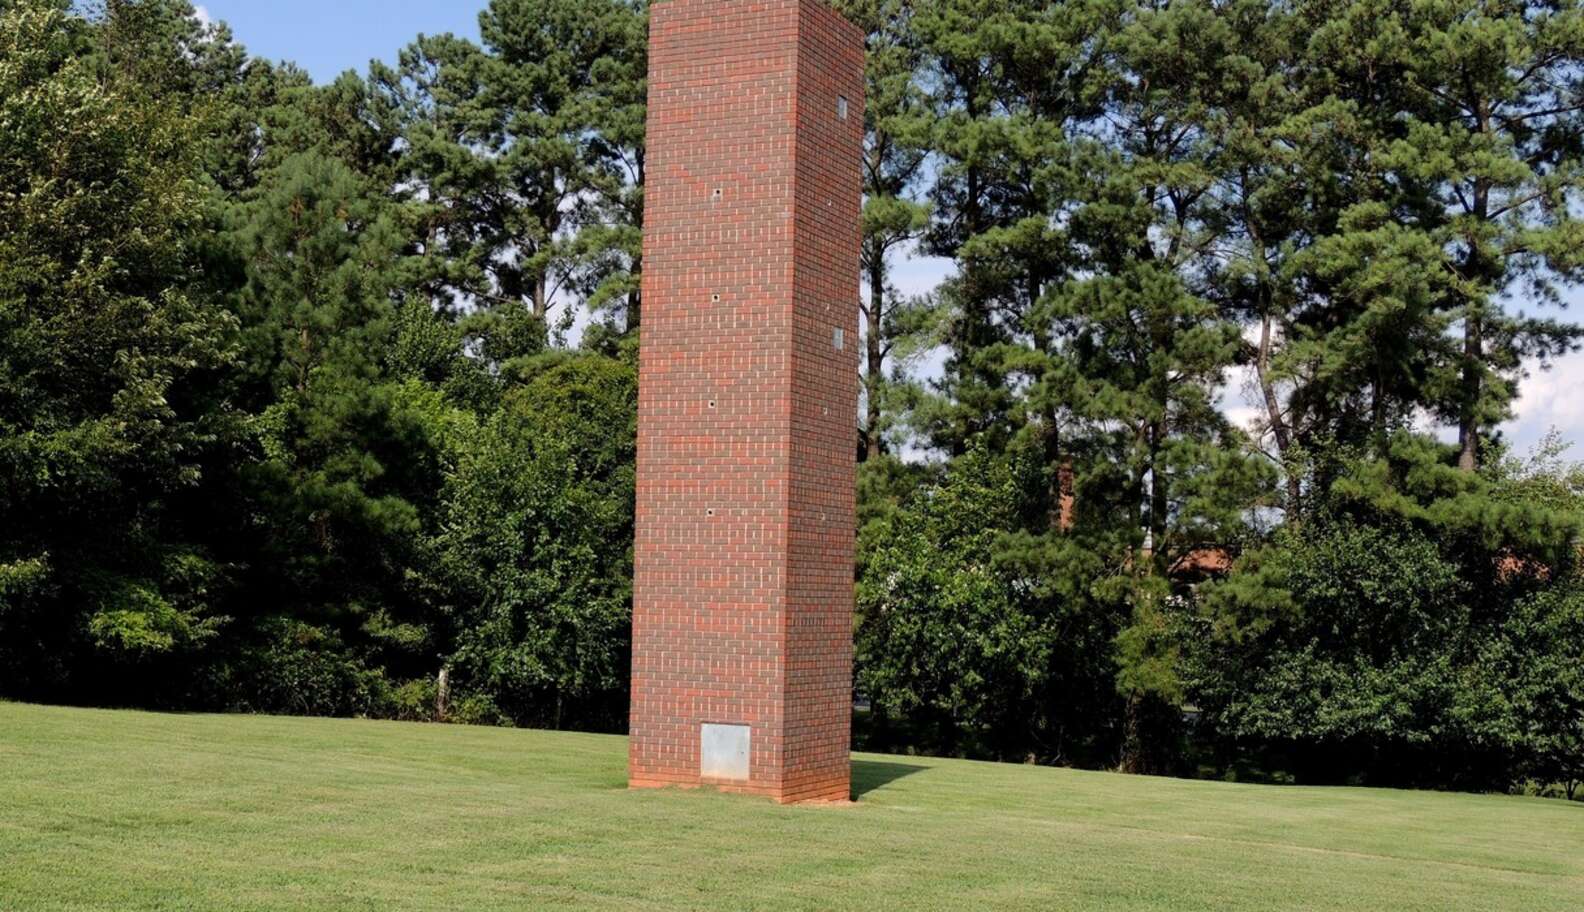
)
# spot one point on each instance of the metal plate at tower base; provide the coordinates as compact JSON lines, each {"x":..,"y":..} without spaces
{"x":723,"y":752}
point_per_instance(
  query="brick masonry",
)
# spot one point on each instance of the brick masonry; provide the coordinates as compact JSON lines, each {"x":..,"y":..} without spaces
{"x":742,"y":609}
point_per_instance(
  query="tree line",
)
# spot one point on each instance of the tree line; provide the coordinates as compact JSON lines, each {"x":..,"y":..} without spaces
{"x":322,"y":398}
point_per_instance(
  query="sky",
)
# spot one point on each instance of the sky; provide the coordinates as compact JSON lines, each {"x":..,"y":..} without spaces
{"x":327,"y":37}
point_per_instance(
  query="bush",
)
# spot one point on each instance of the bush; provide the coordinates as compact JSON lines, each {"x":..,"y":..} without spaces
{"x":414,"y":701}
{"x":305,"y":670}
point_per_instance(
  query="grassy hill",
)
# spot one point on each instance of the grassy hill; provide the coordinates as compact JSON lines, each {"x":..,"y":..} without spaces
{"x":125,"y":811}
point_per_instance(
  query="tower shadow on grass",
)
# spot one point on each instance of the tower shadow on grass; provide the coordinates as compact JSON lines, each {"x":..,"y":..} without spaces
{"x":868,"y":775}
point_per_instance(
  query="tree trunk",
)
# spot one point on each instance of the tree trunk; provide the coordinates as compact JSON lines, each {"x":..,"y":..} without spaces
{"x":442,"y":694}
{"x":1133,"y":737}
{"x":1468,"y":419}
{"x":635,"y":298}
{"x":874,"y":353}
{"x":1158,"y":498}
{"x":1058,"y":493}
{"x":541,"y":295}
{"x":1148,"y":730}
{"x":1475,"y":268}
{"x":1273,"y":414}
{"x":1067,"y":500}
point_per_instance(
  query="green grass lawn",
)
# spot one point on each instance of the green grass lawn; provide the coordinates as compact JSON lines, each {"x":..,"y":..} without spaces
{"x":124,"y":811}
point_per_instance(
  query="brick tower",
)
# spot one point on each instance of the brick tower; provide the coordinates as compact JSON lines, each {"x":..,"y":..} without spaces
{"x":748,"y":394}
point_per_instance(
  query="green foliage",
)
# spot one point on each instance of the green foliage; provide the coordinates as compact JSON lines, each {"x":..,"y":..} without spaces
{"x":975,"y":637}
{"x":105,"y":353}
{"x":1410,"y":640}
{"x":349,"y":453}
{"x":295,"y":668}
{"x":530,"y":515}
{"x":943,"y":638}
{"x":894,"y":160}
{"x":1524,"y":694}
{"x":1359,"y":643}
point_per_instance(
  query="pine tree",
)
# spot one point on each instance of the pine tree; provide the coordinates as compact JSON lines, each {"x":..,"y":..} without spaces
{"x":342,"y":463}
{"x":894,"y":157}
{"x":530,"y":151}
{"x":1150,"y":349}
{"x":1479,"y":110}
{"x":1016,"y":89}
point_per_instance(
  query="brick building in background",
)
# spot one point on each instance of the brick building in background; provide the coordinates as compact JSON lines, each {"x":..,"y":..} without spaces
{"x":748,"y":394}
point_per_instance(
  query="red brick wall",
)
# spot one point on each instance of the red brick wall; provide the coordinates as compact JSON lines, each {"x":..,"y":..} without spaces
{"x":742,"y":607}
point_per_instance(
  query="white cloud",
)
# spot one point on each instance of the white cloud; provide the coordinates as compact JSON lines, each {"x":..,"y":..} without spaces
{"x":1550,"y":399}
{"x":201,"y":13}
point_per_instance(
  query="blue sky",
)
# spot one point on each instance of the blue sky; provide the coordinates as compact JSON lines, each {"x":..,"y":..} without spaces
{"x":326,"y":37}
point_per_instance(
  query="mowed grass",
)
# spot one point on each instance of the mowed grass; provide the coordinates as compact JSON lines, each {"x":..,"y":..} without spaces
{"x":128,"y":811}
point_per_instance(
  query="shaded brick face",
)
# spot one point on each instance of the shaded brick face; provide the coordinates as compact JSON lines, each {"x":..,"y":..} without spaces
{"x":748,"y":393}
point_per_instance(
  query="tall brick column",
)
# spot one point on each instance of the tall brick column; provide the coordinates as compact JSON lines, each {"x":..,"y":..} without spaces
{"x":748,"y":394}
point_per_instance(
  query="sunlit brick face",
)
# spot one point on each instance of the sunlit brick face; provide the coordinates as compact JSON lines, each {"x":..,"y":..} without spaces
{"x":742,"y":609}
